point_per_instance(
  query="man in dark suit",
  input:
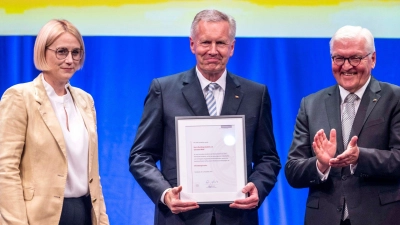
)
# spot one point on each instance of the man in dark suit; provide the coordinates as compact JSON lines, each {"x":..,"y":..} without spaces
{"x":354,"y":175}
{"x":212,"y":41}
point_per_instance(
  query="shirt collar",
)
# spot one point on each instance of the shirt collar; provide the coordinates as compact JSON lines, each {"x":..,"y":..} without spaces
{"x":359,"y":92}
{"x":204,"y":82}
{"x":52,"y":94}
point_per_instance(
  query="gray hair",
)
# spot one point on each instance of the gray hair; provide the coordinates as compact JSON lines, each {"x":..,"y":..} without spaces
{"x":212,"y":15}
{"x":354,"y":32}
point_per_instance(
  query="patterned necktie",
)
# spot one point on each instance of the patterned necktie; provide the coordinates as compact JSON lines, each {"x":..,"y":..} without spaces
{"x":348,"y":114}
{"x":210,"y":100}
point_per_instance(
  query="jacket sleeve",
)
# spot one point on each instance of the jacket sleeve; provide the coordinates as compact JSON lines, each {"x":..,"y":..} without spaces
{"x":103,"y":215}
{"x":13,"y":124}
{"x":300,"y":169}
{"x":265,"y":157}
{"x":147,"y":148}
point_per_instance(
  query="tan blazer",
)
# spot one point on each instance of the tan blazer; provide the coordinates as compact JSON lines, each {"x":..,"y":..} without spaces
{"x":33,"y":157}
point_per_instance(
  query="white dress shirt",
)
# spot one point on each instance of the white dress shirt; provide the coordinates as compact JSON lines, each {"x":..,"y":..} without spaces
{"x":219,"y":92}
{"x":76,"y":141}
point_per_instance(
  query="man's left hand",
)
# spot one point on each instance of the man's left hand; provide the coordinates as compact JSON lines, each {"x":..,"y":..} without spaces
{"x":349,"y":156}
{"x":250,"y":202}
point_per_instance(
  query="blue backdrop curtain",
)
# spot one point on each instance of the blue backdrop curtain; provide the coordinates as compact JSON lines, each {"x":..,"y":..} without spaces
{"x":118,"y":71}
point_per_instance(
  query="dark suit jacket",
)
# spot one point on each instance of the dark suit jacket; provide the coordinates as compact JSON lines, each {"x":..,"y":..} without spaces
{"x":372,"y":193}
{"x":181,"y":95}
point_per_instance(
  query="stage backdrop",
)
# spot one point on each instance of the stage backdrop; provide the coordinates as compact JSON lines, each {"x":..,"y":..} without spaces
{"x":282,"y":44}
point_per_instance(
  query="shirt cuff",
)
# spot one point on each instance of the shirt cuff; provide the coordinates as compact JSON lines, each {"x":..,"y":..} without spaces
{"x":353,"y":168}
{"x":323,"y":176}
{"x":163,"y":195}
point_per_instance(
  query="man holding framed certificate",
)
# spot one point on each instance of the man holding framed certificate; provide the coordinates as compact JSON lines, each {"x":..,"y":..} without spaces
{"x":183,"y":127}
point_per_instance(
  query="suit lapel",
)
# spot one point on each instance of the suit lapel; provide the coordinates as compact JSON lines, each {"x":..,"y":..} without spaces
{"x":332,"y":107}
{"x":47,"y":113}
{"x":368,"y":102}
{"x":233,"y":96}
{"x":193,"y":94}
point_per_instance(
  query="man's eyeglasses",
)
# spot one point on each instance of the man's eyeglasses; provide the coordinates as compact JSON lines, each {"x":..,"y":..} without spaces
{"x":354,"y":60}
{"x":62,"y":53}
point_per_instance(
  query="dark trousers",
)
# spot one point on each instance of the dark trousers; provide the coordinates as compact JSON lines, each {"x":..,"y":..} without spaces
{"x":346,"y":222}
{"x":76,"y":211}
{"x":213,"y":221}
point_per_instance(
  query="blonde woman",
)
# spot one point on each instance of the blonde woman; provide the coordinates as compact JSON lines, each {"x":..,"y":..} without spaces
{"x":48,"y":140}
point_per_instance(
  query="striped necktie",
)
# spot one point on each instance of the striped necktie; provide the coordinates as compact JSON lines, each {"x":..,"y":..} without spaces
{"x":210,"y":100}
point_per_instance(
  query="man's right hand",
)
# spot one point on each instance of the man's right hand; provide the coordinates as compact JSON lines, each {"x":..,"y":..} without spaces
{"x":324,"y":149}
{"x":173,"y":202}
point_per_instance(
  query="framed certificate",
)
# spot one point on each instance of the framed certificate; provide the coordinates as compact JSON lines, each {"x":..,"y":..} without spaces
{"x":211,"y":158}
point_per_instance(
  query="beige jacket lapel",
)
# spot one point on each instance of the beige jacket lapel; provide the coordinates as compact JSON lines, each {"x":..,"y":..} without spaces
{"x":47,"y":113}
{"x":83,"y":105}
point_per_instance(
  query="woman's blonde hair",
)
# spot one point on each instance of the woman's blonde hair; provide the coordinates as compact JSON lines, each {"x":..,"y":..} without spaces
{"x":47,"y":35}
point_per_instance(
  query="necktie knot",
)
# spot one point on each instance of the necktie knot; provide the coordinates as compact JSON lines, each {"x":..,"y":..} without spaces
{"x":212,"y":86}
{"x":350,"y":98}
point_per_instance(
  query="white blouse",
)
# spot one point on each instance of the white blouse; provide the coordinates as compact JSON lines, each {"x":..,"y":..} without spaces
{"x":76,"y":140}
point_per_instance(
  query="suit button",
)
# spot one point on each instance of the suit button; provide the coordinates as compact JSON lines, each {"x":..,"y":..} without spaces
{"x":94,"y":200}
{"x":91,"y":179}
{"x":344,"y":177}
{"x":339,"y":209}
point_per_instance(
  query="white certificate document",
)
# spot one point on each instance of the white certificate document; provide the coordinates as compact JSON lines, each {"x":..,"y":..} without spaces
{"x":211,"y":158}
{"x":213,"y":165}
